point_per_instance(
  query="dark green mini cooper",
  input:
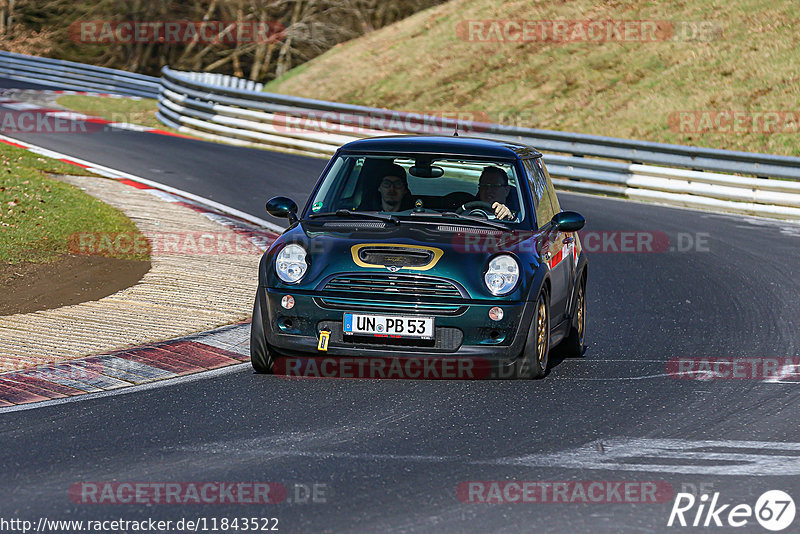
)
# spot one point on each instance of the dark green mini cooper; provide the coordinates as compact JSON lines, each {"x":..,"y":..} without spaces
{"x":422,"y":257}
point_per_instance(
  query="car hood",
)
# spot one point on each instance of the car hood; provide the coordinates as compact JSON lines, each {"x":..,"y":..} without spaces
{"x":444,"y":250}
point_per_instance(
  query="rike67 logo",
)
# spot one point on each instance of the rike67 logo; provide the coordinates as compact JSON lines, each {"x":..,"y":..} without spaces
{"x":774,"y":510}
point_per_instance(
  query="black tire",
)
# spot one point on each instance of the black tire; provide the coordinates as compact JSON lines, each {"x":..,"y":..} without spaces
{"x":536,"y":353}
{"x":574,"y":345}
{"x":260,"y":355}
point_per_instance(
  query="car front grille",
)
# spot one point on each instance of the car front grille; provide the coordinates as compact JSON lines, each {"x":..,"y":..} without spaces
{"x":401,"y":285}
{"x":389,"y":306}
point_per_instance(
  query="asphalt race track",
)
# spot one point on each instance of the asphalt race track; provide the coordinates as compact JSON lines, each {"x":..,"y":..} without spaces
{"x":390,"y":455}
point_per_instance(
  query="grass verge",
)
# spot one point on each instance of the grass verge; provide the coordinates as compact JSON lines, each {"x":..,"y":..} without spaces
{"x":39,"y":215}
{"x":725,"y":56}
{"x":142,"y":111}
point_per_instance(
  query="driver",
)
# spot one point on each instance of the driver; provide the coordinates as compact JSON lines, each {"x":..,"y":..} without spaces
{"x":493,"y":188}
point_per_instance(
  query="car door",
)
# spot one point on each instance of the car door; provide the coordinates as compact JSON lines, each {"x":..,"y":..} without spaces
{"x":553,"y":245}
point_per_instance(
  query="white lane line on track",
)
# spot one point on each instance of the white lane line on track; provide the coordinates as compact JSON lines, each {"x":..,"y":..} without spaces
{"x":611,"y":379}
{"x":645,"y":455}
{"x":699,"y":378}
{"x":662,"y":455}
{"x":368,"y":456}
{"x":787,"y":371}
{"x":115,"y":173}
{"x":236,"y":368}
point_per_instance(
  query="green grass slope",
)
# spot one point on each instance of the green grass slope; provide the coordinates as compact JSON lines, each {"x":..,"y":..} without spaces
{"x":748,"y":62}
{"x":40,"y":216}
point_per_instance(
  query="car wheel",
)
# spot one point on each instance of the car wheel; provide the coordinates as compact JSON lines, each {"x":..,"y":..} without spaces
{"x":536,"y":353}
{"x":574,"y":344}
{"x":260,"y":357}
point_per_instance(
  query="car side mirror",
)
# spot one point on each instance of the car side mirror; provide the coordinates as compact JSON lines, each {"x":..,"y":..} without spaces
{"x":568,"y":221}
{"x":282,"y":207}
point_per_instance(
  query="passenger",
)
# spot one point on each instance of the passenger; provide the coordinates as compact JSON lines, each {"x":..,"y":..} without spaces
{"x":493,"y":188}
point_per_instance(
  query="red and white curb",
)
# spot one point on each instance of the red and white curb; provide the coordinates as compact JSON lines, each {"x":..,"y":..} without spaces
{"x":88,"y":93}
{"x":215,"y":349}
{"x":257,"y":236}
{"x":205,"y":353}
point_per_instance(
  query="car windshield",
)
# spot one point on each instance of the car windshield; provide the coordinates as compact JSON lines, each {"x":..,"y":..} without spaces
{"x":416,"y":184}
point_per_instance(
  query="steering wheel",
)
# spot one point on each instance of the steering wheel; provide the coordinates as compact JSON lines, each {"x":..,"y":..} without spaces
{"x":477,"y":207}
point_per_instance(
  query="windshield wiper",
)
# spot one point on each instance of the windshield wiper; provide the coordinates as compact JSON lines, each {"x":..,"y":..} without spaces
{"x":484,"y":222}
{"x":363,"y":214}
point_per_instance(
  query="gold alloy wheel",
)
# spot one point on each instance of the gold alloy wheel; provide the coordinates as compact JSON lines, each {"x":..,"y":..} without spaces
{"x":541,"y":329}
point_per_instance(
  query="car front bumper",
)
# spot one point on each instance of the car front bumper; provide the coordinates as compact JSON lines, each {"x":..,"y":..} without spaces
{"x":466,"y":334}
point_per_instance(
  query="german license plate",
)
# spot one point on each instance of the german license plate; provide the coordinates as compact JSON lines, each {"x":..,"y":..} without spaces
{"x":388,"y":326}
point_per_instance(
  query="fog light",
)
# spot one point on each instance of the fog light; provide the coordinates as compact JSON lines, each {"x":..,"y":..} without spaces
{"x":287,"y":302}
{"x":286,"y":324}
{"x":495,"y":314}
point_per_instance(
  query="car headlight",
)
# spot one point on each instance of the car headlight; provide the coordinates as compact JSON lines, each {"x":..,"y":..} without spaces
{"x":502,"y":276}
{"x":290,"y":264}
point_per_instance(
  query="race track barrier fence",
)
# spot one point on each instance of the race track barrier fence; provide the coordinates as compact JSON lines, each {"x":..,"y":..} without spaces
{"x":76,"y":76}
{"x":718,"y":180}
{"x":235,"y":110}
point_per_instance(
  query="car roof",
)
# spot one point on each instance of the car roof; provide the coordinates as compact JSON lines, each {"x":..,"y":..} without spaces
{"x":441,"y":145}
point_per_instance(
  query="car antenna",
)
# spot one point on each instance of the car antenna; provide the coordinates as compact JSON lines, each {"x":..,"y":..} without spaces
{"x":455,"y":132}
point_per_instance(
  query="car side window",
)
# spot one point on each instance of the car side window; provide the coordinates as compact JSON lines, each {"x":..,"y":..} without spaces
{"x":539,"y":191}
{"x":341,"y":192}
{"x":551,"y":190}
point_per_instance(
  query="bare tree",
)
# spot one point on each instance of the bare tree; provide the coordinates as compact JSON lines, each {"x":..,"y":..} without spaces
{"x":299,"y":30}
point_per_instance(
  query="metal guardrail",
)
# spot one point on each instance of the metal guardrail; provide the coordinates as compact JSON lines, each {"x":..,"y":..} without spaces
{"x":211,"y":78}
{"x":236,"y":111}
{"x":758,"y":184}
{"x":76,"y":76}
